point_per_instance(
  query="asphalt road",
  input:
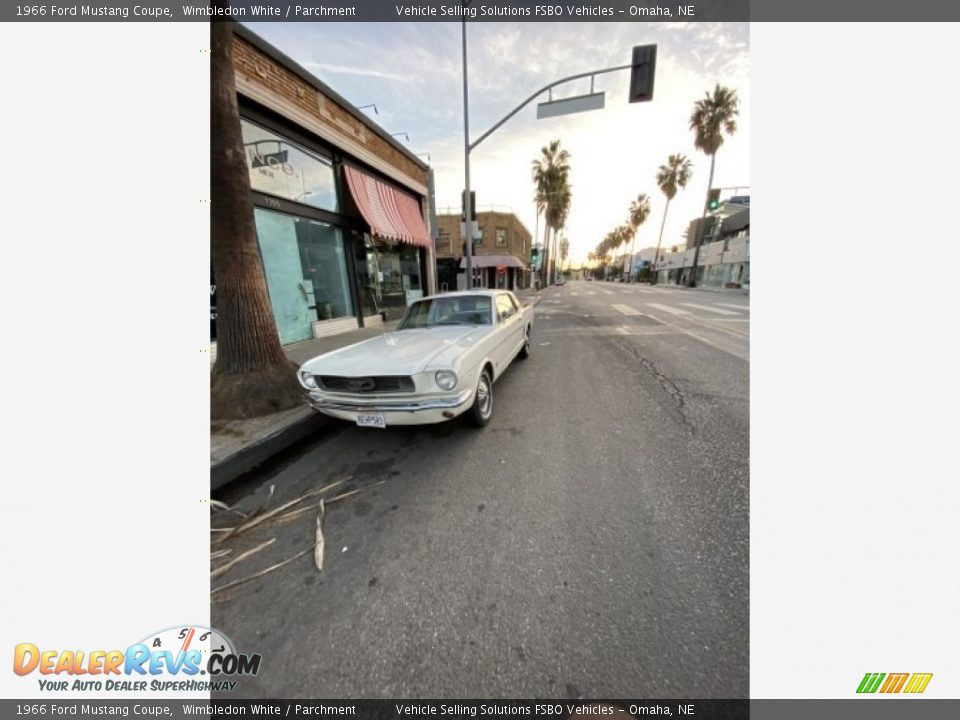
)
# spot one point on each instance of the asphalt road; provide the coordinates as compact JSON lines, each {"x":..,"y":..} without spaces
{"x":592,"y":541}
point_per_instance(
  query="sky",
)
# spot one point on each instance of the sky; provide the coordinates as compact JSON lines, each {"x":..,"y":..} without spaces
{"x":412,"y":72}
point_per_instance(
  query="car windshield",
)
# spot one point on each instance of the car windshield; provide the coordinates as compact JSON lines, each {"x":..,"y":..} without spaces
{"x":454,"y":310}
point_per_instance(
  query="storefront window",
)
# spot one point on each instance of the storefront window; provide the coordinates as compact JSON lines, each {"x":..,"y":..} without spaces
{"x":282,"y":168}
{"x":390,"y":276}
{"x":306,"y":270}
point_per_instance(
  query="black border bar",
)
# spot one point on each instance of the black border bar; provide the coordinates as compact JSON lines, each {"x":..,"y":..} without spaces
{"x":872,"y":708}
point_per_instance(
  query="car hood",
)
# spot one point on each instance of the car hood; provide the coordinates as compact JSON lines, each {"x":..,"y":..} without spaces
{"x":404,"y":352}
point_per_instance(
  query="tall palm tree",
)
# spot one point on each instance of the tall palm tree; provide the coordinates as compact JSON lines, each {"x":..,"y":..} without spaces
{"x":622,"y":237}
{"x":564,"y":198}
{"x":671,"y":177}
{"x":712,"y":118}
{"x":564,"y":250}
{"x":639,"y":212}
{"x":552,"y":193}
{"x":251,"y":375}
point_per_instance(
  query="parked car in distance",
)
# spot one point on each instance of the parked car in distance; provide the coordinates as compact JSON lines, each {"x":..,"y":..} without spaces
{"x":442,"y":361}
{"x":589,"y":278}
{"x":561,"y":281}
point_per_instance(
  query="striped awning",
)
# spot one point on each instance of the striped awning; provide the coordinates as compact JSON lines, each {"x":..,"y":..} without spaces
{"x":484,"y":261}
{"x":392,"y":215}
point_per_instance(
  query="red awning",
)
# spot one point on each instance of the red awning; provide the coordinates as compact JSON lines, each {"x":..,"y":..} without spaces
{"x":391,"y":214}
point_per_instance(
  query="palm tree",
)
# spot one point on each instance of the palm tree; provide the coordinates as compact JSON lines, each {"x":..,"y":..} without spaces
{"x":639,"y":212}
{"x":251,"y":375}
{"x":712,"y":118}
{"x":564,"y":250}
{"x":622,"y":236}
{"x":670,"y":178}
{"x":550,"y":173}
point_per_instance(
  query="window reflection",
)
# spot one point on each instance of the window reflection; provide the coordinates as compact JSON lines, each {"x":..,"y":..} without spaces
{"x":389,"y":276}
{"x":279,"y":167}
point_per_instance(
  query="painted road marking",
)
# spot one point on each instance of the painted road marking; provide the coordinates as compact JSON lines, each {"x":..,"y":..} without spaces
{"x":708,"y":308}
{"x":606,"y":292}
{"x":574,"y":294}
{"x":667,"y":308}
{"x":590,"y":292}
{"x":622,"y":330}
{"x":745,"y":308}
{"x":626,"y":310}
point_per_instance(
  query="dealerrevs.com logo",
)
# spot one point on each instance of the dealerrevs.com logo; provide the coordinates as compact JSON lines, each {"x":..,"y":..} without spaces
{"x":912,"y":683}
{"x":180,"y":659}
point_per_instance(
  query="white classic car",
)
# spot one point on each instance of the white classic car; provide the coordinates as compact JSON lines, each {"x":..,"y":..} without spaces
{"x":442,"y":361}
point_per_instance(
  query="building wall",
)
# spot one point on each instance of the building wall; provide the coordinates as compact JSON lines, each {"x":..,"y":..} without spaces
{"x":450,"y":243}
{"x":288,"y":93}
{"x":719,"y":262}
{"x":350,"y":278}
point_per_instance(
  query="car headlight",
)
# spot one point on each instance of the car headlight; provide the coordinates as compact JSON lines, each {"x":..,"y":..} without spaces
{"x":446,"y":379}
{"x":308,"y":380}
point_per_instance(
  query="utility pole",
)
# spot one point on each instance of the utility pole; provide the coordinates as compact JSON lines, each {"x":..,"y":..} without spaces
{"x":467,"y":210}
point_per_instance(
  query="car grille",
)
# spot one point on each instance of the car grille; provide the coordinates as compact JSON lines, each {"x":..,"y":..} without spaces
{"x":366,"y":385}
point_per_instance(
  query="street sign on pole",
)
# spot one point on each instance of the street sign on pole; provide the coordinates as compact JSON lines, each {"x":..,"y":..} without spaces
{"x":566,"y":106}
{"x":473,"y":205}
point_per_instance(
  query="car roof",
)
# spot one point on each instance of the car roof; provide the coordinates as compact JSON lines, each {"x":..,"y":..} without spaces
{"x":467,"y":293}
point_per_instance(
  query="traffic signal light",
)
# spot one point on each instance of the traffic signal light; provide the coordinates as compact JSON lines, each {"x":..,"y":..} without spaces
{"x":473,"y":204}
{"x":535,"y":257}
{"x":642,"y":73}
{"x":713,"y":201}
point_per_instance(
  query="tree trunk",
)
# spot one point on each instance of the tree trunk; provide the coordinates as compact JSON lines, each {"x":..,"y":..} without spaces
{"x":656,"y":258}
{"x":700,"y":230}
{"x":545,"y":275}
{"x":251,"y":376}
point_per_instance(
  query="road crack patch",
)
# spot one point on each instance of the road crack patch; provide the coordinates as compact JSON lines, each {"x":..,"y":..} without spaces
{"x":668,"y":385}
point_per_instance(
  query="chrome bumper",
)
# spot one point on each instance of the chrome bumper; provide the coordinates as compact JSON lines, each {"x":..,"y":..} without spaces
{"x":387,"y":406}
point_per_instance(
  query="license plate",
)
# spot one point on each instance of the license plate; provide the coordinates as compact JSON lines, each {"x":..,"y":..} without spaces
{"x":371,"y":420}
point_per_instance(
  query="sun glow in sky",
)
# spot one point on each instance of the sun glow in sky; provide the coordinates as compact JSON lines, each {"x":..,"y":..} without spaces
{"x":413,"y":73}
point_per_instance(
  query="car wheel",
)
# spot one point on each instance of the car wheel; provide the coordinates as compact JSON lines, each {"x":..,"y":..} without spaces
{"x":482,"y":408}
{"x":525,"y":350}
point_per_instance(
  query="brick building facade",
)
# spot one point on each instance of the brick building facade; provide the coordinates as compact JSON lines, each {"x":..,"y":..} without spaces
{"x":501,"y":253}
{"x":340,"y":207}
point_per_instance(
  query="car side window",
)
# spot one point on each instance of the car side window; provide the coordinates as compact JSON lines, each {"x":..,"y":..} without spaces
{"x":505,"y":308}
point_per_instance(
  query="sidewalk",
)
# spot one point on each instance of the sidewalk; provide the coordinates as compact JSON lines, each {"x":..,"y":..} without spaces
{"x":238,"y":446}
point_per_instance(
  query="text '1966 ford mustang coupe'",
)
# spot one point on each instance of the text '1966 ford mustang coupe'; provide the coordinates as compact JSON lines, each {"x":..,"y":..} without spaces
{"x":442,"y":361}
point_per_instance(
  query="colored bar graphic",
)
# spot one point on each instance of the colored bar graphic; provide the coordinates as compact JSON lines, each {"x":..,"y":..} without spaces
{"x":894,"y":682}
{"x":918,"y":682}
{"x":870,"y":682}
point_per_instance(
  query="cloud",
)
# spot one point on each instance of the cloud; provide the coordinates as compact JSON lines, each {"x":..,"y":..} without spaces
{"x":349,"y":70}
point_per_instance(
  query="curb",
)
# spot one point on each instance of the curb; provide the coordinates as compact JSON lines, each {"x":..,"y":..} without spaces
{"x":245,"y":460}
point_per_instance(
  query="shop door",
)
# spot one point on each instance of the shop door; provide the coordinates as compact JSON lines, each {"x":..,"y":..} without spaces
{"x":289,"y":294}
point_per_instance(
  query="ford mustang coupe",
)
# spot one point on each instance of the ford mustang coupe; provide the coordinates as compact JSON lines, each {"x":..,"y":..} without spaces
{"x":442,"y":361}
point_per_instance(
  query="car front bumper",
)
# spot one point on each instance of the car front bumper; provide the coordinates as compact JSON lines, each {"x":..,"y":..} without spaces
{"x":406,"y":411}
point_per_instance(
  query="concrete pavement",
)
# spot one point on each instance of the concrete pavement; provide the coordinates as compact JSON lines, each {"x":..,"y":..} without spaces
{"x":591,"y":541}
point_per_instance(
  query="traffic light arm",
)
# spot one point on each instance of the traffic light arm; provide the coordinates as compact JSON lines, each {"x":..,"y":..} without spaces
{"x":540,"y":92}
